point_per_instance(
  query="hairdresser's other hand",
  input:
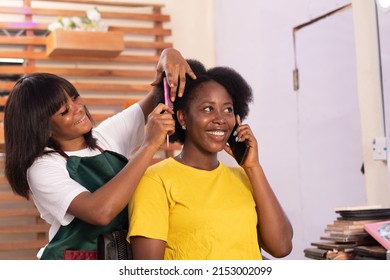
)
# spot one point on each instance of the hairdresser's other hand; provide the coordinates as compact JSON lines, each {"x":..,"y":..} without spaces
{"x":175,"y":68}
{"x":159,"y":126}
{"x":244,"y":133}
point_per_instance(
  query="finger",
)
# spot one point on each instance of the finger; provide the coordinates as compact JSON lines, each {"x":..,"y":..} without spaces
{"x":165,"y":119}
{"x":228,"y":150}
{"x":244,"y":136}
{"x":182,"y":81}
{"x":185,"y":69}
{"x":244,"y":133}
{"x":157,"y":79}
{"x":161,"y":108}
{"x":190,"y":72}
{"x":237,"y":126}
{"x":167,"y":127}
{"x":238,"y":119}
{"x":179,"y":76}
{"x":170,"y":129}
{"x":172,"y":78}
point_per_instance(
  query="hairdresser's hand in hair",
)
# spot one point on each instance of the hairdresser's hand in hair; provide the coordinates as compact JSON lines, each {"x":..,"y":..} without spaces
{"x":159,"y":126}
{"x":175,"y":68}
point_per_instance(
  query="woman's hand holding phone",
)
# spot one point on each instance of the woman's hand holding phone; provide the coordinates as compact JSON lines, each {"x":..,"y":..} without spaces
{"x":243,"y":145}
{"x":238,"y":149}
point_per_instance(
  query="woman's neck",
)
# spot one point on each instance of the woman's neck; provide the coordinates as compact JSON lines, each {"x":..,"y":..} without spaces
{"x":73,"y":145}
{"x":197,"y":159}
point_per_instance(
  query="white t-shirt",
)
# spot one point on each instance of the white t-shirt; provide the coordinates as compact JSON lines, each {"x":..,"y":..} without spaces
{"x":51,"y":187}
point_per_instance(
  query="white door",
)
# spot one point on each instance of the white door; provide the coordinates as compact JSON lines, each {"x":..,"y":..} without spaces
{"x":329,"y":122}
{"x":384,"y":44}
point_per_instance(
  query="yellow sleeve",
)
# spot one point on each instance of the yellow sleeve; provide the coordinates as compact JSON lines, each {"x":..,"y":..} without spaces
{"x":148,"y":209}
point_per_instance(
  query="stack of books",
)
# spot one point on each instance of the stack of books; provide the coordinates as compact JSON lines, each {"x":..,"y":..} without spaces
{"x":354,"y":235}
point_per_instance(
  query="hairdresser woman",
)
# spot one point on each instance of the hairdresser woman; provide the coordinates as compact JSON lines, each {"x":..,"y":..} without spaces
{"x":78,"y":176}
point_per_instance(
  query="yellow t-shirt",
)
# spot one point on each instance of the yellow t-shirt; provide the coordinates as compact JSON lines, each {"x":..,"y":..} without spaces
{"x":200,"y":214}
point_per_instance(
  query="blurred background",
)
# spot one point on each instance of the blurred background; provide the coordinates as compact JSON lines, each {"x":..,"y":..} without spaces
{"x":319,"y":72}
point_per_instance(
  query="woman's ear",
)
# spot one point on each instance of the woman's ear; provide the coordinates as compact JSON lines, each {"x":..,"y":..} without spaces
{"x":181,"y":118}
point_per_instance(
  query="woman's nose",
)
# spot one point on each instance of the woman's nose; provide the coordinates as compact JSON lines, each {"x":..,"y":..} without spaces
{"x":219,"y":118}
{"x":77,"y":107}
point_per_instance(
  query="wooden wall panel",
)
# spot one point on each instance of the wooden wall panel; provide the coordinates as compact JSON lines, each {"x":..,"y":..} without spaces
{"x":108,"y":84}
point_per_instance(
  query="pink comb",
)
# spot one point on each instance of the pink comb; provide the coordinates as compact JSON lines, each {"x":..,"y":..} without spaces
{"x":167,"y":99}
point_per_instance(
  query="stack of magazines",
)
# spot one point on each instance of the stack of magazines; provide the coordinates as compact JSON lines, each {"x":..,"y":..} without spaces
{"x":357,"y":233}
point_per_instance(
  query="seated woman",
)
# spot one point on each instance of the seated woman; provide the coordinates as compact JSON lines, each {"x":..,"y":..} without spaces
{"x":194,"y":207}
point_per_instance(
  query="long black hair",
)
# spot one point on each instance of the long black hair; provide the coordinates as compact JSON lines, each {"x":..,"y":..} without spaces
{"x":27,"y":124}
{"x":237,"y":87}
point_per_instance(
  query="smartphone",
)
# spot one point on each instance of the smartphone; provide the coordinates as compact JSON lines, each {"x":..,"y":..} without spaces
{"x":239,"y":149}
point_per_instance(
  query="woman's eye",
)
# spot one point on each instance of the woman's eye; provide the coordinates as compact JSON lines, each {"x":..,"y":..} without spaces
{"x":65,"y":111}
{"x":229,"y":110}
{"x":74,"y":98}
{"x":208,"y":109}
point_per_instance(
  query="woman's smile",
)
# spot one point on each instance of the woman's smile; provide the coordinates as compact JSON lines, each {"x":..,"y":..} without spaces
{"x":217,"y":135}
{"x":82,"y":120}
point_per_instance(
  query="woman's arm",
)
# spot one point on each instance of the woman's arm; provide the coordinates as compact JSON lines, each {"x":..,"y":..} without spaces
{"x":101,"y":206}
{"x":274,"y":229}
{"x":146,"y":248}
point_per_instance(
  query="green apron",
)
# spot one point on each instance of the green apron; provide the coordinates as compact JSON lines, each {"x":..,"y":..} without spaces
{"x":92,"y":173}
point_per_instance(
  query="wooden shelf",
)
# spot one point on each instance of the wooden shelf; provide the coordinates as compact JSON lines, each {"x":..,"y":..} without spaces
{"x":84,"y":43}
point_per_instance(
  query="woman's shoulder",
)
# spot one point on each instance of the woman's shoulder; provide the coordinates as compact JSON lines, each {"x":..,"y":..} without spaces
{"x":123,"y":131}
{"x":236,"y":171}
{"x":52,"y":157}
{"x":130,"y":114}
{"x":161,"y":166}
{"x":49,"y":155}
{"x":51,"y":161}
{"x":231,"y":168}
